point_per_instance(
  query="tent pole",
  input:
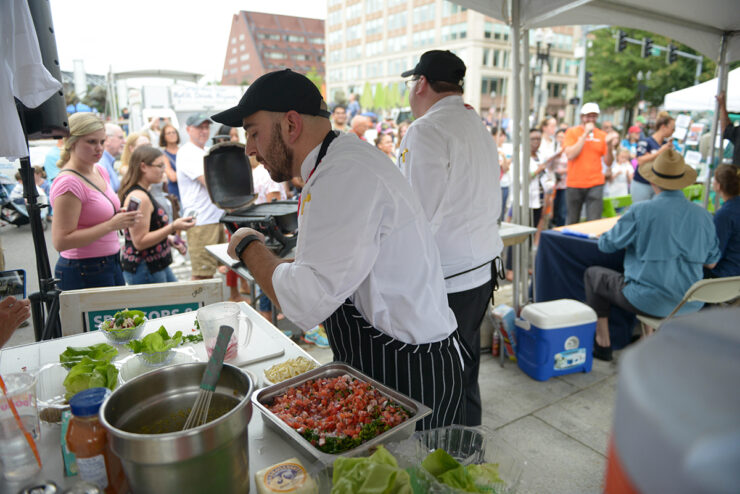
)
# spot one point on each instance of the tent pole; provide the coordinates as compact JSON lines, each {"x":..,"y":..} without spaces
{"x":526,"y":214}
{"x":721,"y":86}
{"x":515,"y":155}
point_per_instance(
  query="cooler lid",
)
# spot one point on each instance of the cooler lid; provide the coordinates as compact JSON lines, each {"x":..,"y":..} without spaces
{"x":558,"y":314}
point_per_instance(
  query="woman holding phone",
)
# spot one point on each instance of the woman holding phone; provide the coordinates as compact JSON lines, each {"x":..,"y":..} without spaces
{"x":147,"y":252}
{"x":87,"y":212}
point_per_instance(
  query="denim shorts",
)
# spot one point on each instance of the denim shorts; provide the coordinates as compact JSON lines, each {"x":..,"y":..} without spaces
{"x":92,"y":272}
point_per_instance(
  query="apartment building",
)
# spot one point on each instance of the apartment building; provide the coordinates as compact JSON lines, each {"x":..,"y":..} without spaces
{"x":376,"y":40}
{"x":260,"y":43}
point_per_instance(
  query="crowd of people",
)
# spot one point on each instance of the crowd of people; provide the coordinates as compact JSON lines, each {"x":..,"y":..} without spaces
{"x":399,"y":241}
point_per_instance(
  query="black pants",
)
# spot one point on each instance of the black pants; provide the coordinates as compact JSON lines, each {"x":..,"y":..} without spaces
{"x":469,"y":308}
{"x":430,"y":373}
{"x":603,"y":288}
{"x":576,"y":197}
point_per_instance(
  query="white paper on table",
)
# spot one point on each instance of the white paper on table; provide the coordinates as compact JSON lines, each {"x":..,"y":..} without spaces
{"x":694,"y":134}
{"x":680,"y":133}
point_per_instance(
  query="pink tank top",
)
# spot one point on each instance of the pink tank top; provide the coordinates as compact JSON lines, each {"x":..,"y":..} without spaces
{"x":95,"y":209}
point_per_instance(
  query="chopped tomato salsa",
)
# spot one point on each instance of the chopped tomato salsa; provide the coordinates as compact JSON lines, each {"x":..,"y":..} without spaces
{"x":339,"y":413}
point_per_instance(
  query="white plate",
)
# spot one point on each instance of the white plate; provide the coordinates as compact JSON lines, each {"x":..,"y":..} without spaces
{"x":134,"y":366}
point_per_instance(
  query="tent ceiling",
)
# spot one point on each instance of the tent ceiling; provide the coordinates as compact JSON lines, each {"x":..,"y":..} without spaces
{"x":698,"y":25}
{"x":701,"y":97}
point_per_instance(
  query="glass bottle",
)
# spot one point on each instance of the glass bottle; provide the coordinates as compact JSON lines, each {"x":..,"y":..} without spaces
{"x":87,"y":439}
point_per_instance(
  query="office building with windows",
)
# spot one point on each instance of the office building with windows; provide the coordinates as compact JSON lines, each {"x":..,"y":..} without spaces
{"x":260,"y":43}
{"x":375,"y":40}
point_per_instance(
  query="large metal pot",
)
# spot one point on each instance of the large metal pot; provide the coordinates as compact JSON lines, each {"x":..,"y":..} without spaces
{"x":211,"y":458}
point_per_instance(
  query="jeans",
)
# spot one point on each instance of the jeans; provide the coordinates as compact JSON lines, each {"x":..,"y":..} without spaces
{"x":504,"y":197}
{"x":576,"y":197}
{"x":93,"y":272}
{"x":559,"y":209}
{"x":142,"y":276}
{"x":641,"y":192}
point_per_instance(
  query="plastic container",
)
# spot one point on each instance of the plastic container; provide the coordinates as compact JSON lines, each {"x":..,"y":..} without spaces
{"x":87,"y":439}
{"x":468,"y":445}
{"x":50,"y":392}
{"x":555,"y":338}
{"x":123,"y":335}
{"x":677,"y":413}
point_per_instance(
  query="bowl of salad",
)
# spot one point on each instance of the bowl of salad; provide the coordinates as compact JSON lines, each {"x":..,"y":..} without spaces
{"x":123,"y":327}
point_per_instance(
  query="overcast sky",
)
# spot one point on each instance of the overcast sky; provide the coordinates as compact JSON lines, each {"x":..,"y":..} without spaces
{"x":189,"y":35}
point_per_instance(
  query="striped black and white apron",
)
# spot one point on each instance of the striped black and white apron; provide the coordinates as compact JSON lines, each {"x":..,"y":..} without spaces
{"x":430,"y":373}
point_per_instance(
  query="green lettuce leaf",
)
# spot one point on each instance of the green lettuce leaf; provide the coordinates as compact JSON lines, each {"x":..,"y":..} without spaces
{"x":73,"y":355}
{"x":88,"y":373}
{"x":458,"y":478}
{"x":438,"y":462}
{"x":485,"y":476}
{"x":376,"y":474}
{"x":157,"y":342}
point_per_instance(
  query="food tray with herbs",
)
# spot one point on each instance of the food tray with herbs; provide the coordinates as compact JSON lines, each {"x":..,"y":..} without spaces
{"x":364,"y":412}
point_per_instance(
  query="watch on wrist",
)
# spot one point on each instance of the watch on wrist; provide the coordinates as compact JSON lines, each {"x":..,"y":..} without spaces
{"x":244,"y":243}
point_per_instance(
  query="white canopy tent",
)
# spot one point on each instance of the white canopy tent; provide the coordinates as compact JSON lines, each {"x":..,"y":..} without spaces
{"x":712,"y":27}
{"x":702,"y":96}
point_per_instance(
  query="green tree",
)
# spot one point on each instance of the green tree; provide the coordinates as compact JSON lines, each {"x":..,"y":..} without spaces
{"x":366,"y":98}
{"x":379,"y":97}
{"x":316,"y":78}
{"x":614,"y":75}
{"x":391,"y":96}
{"x":95,"y":97}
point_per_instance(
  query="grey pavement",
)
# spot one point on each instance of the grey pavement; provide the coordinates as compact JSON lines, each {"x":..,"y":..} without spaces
{"x":559,"y":427}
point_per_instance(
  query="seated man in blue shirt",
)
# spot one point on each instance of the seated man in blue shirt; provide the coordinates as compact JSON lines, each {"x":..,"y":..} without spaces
{"x":668,"y":241}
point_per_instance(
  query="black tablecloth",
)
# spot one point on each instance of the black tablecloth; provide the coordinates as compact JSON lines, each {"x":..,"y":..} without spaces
{"x":559,"y":266}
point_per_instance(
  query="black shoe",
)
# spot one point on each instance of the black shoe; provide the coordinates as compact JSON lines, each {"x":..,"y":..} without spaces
{"x":602,"y":352}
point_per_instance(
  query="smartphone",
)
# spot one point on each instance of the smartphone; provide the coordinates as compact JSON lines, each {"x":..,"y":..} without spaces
{"x":133,"y":204}
{"x":192,"y":213}
{"x":13,"y":283}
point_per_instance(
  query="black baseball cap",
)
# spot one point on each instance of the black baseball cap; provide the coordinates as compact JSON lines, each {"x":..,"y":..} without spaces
{"x":439,"y":65}
{"x":280,"y":91}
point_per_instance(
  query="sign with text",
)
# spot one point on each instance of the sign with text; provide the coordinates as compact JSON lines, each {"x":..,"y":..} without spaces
{"x":95,"y":317}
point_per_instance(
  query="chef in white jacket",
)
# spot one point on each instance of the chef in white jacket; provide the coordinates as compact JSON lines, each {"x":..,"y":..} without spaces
{"x":366,"y":262}
{"x":451,"y":162}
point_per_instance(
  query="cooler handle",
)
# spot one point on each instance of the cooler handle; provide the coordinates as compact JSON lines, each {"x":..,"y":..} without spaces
{"x":522,"y":323}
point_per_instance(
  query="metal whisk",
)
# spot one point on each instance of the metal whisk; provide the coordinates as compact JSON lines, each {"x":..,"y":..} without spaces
{"x":199,"y":413}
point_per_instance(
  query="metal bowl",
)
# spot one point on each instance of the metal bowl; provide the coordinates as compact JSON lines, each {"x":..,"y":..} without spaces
{"x":214,"y":457}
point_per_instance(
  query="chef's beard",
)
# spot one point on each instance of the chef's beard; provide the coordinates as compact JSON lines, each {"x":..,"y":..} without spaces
{"x":278,"y":158}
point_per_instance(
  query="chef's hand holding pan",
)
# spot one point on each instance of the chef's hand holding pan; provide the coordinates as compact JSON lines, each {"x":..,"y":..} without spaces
{"x":238,"y":236}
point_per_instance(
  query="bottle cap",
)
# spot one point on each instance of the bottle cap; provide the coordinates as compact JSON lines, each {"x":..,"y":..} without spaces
{"x":87,"y":402}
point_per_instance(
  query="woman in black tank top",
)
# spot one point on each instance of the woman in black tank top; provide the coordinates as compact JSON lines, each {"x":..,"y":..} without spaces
{"x":147,"y":255}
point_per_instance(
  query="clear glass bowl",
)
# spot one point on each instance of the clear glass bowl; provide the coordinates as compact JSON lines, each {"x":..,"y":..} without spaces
{"x":468,"y":445}
{"x":121,"y":336}
{"x":157,"y":358}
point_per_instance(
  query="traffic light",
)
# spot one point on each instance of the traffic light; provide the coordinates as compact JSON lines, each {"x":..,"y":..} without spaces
{"x":672,"y":55}
{"x":647,"y":47}
{"x":587,"y":82}
{"x":621,"y":41}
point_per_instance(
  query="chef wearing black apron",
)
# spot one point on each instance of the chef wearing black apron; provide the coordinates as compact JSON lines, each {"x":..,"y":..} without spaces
{"x":366,"y":262}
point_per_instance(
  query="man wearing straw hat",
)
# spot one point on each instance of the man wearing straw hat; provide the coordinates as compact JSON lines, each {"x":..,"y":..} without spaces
{"x":667,"y":241}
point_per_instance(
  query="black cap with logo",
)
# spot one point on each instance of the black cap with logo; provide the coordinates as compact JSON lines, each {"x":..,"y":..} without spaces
{"x":439,"y":65}
{"x":280,"y":91}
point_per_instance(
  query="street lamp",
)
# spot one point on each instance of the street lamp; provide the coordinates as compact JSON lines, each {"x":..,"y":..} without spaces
{"x":541,"y":37}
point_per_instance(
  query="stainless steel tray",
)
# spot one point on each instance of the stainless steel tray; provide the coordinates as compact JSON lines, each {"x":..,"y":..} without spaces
{"x":265,"y":395}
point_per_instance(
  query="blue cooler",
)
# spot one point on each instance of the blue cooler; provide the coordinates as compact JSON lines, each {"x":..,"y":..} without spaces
{"x":555,"y":338}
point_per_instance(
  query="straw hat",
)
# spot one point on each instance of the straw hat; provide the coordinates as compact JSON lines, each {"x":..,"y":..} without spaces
{"x":668,"y":171}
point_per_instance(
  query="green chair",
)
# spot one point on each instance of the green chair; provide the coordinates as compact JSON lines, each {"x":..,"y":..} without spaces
{"x":611,"y":204}
{"x":694,"y":192}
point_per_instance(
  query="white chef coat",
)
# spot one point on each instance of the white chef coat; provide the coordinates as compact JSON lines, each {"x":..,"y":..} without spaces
{"x":194,"y":194}
{"x":22,"y":74}
{"x":449,"y":158}
{"x":363,"y":236}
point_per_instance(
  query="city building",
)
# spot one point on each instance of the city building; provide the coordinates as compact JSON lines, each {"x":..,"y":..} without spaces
{"x":375,"y":40}
{"x":260,"y":43}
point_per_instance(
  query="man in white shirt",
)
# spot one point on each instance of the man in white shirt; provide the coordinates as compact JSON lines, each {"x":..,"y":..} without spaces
{"x":450,"y":161}
{"x":366,"y":263}
{"x":195,"y":199}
